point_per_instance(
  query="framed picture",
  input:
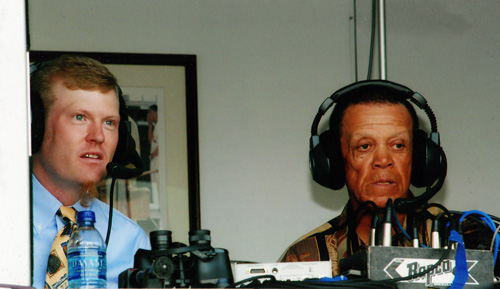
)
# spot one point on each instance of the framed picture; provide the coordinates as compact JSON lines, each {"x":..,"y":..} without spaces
{"x":160,"y":91}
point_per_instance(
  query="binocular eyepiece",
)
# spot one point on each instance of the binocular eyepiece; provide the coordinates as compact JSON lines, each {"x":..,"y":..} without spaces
{"x":173,"y":264}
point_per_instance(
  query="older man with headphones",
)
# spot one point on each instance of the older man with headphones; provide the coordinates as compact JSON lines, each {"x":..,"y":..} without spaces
{"x":78,"y":128}
{"x":374,"y":146}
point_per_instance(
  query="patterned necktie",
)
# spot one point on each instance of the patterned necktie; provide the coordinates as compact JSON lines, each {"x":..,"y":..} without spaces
{"x":57,"y":268}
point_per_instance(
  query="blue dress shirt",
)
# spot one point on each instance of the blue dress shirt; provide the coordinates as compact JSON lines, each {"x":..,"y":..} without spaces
{"x":125,"y":239}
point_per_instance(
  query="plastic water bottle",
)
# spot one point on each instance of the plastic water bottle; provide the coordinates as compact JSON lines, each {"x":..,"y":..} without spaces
{"x":86,"y":254}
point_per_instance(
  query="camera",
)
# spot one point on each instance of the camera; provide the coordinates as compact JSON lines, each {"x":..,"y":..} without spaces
{"x":173,"y":264}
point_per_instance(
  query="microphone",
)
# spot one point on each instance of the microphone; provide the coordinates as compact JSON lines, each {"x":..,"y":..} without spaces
{"x":415,"y":240}
{"x":120,"y":171}
{"x":387,"y":237}
{"x":435,"y":239}
{"x":373,"y":230}
{"x":409,"y":204}
{"x":117,"y":171}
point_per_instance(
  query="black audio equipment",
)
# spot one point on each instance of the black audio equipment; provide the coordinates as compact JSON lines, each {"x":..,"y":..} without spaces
{"x":173,"y":264}
{"x":419,"y":267}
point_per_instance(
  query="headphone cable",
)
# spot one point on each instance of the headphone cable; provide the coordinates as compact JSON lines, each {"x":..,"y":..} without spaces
{"x":110,"y":220}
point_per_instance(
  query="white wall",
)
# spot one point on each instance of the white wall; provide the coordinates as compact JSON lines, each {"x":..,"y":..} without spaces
{"x":14,"y":171}
{"x":264,"y":67}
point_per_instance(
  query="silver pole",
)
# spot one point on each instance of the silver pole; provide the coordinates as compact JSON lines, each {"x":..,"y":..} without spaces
{"x":383,"y":62}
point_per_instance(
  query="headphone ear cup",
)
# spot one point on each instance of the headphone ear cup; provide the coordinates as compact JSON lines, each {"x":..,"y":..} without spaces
{"x":418,"y":178}
{"x":125,"y":154}
{"x":435,"y":161}
{"x":124,"y":143}
{"x":37,"y":122}
{"x":427,"y":163}
{"x":325,"y":159}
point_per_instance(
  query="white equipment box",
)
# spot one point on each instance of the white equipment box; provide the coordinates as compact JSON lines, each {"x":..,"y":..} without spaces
{"x":286,"y":271}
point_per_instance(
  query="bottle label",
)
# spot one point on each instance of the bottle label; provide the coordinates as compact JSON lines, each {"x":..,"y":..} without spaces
{"x":87,"y":266}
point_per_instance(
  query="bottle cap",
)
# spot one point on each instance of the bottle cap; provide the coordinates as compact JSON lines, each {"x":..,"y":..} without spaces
{"x":85,"y":216}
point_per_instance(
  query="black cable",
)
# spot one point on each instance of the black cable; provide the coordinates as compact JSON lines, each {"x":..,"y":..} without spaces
{"x":355,"y":19}
{"x":471,"y":217}
{"x":365,"y":204}
{"x":494,"y":218}
{"x":426,"y":235}
{"x":451,"y":221}
{"x":372,"y":41}
{"x":354,"y":283}
{"x":443,"y":208}
{"x":449,"y":225}
{"x":253,"y":282}
{"x":110,"y":220}
{"x":352,"y":225}
{"x":400,"y":233}
{"x":417,"y":218}
{"x":408,"y":204}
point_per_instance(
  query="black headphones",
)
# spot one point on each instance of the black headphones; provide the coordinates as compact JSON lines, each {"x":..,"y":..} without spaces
{"x":125,"y":152}
{"x":429,"y":160}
